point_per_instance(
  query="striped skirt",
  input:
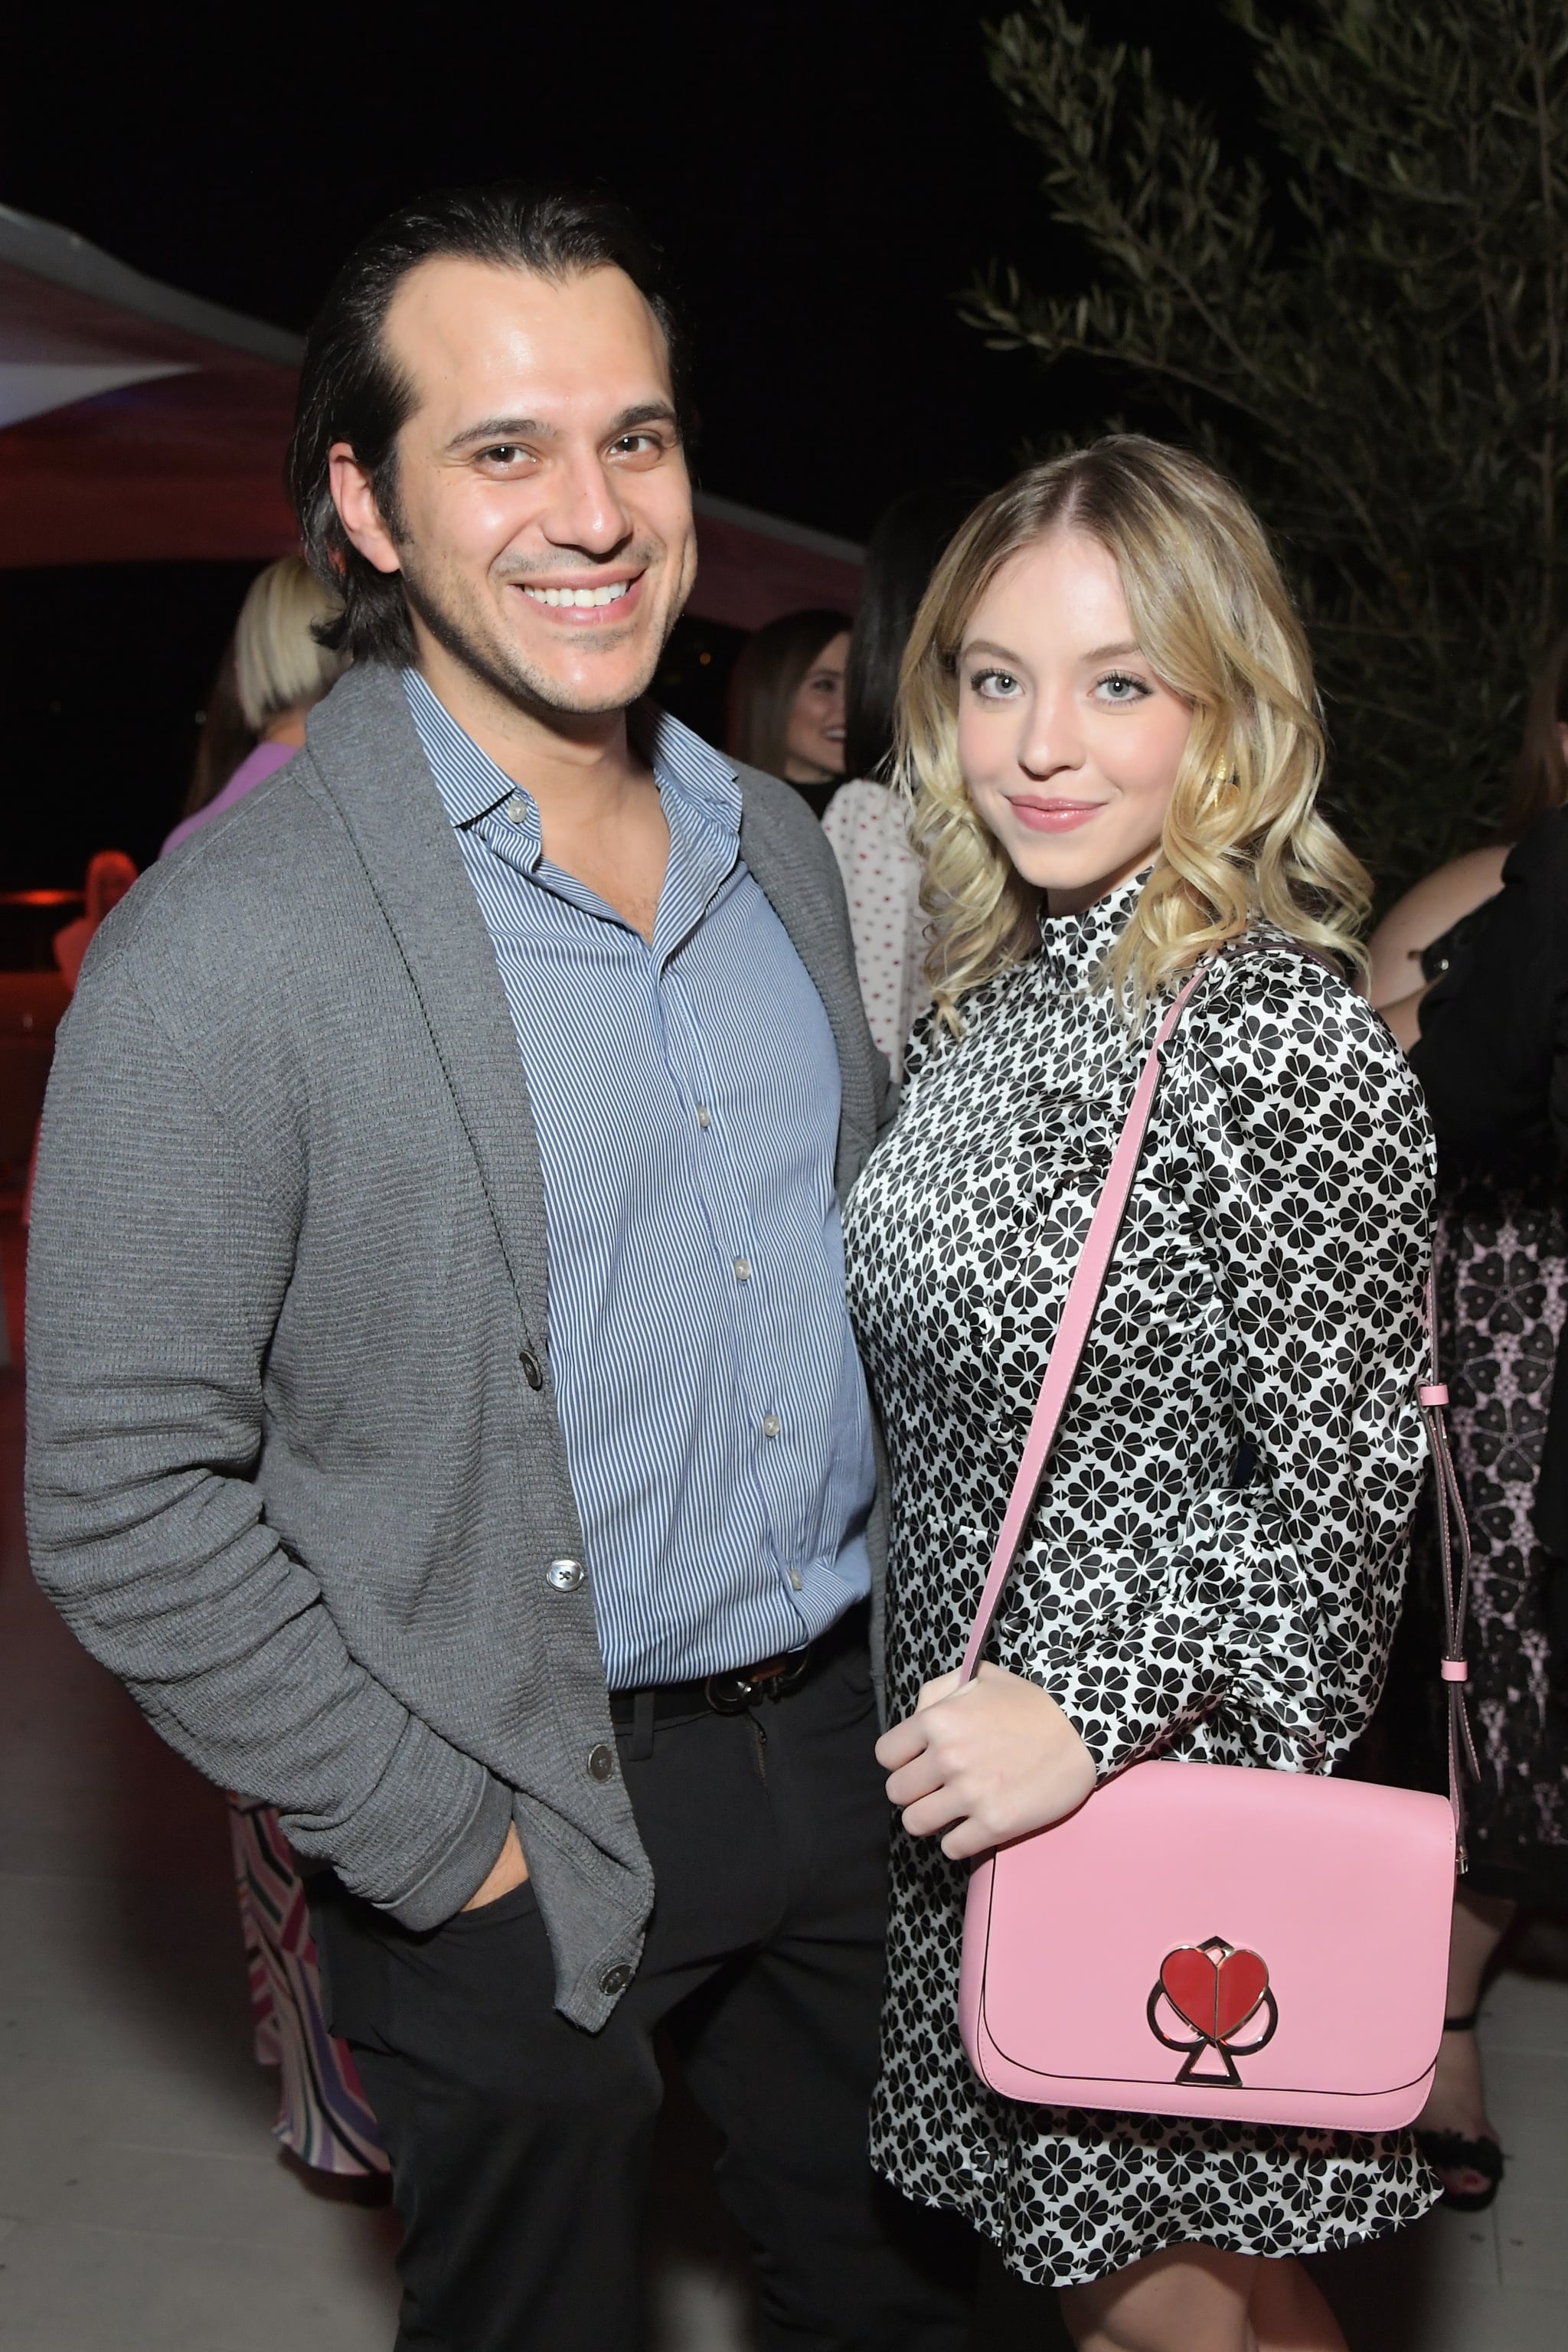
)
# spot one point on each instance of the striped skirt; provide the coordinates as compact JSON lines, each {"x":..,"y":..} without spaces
{"x":322,"y":2115}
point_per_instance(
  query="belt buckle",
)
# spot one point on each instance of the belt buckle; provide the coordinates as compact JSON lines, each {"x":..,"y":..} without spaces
{"x":733,"y":1693}
{"x":728,"y":1693}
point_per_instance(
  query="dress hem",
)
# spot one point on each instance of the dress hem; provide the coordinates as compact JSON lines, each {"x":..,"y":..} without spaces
{"x":1225,"y":2243}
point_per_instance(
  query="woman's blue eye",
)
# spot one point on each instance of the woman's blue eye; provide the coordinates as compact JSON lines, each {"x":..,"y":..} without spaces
{"x":1118,"y":687}
{"x":993,"y":681}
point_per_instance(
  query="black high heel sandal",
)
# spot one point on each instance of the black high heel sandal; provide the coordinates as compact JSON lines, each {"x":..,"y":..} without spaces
{"x":1450,"y":2151}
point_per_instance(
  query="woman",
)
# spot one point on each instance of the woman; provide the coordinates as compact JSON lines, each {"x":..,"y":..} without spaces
{"x":227,"y":739}
{"x":867,"y":824}
{"x":1109,"y":731}
{"x":1415,"y":942}
{"x":110,"y":874}
{"x":269,"y":680}
{"x":786,"y":703}
{"x":1442,"y":971}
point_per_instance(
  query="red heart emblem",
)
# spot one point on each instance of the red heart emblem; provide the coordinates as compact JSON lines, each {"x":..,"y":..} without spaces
{"x":1214,"y":1997}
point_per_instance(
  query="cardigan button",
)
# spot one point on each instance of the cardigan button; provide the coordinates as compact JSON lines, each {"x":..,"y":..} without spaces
{"x":564,"y":1575}
{"x":601,"y":1761}
{"x":617,"y":1979}
{"x":533,"y":1370}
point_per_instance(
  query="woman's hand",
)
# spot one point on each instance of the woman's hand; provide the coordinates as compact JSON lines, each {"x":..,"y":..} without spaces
{"x":983,"y":1761}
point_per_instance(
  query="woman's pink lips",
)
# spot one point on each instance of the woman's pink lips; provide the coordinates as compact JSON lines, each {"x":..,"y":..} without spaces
{"x":1054,"y":816}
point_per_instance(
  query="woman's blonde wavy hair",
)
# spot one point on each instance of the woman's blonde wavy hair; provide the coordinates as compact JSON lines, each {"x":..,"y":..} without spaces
{"x":1243,"y":842}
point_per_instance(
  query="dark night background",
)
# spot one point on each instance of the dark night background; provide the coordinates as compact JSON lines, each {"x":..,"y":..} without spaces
{"x":824,"y":177}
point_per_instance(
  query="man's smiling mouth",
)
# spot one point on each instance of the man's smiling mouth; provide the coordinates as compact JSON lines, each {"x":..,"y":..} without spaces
{"x":581,"y":597}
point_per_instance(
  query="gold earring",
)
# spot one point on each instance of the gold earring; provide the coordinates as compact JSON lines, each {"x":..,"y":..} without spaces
{"x":1222,"y":778}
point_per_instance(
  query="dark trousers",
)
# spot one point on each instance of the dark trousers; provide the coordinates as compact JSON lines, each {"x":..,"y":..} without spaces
{"x":522,"y":2146}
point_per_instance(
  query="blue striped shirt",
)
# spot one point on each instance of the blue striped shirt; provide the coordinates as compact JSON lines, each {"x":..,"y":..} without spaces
{"x":686,"y":1099}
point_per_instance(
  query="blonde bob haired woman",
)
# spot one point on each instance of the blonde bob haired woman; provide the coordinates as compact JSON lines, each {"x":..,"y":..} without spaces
{"x":273,"y":674}
{"x":1109,"y":735}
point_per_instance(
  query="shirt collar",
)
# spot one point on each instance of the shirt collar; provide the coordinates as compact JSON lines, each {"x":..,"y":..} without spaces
{"x":470,"y":784}
{"x":468,"y":780}
{"x":1073,"y":947}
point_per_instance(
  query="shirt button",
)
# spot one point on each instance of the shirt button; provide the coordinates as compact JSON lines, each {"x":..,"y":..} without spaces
{"x":743,"y":1269}
{"x":796,"y":1580}
{"x":704,"y":1118}
{"x":516,"y":810}
{"x":532,"y":1371}
{"x":771,"y":1425}
{"x":565,"y":1576}
{"x":601,"y":1764}
{"x":617,"y":1979}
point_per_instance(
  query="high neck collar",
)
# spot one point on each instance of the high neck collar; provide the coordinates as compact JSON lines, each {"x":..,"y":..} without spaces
{"x":1072,"y":947}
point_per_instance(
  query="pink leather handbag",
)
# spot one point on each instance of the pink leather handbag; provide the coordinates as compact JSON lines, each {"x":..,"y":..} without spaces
{"x":1210,"y":1939}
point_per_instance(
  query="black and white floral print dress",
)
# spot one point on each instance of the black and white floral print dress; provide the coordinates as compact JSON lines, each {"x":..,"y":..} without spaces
{"x":1261,"y":1316}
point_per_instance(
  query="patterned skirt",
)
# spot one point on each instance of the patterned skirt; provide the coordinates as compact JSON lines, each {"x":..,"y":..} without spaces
{"x":322,"y":2115}
{"x":1502,"y":1266}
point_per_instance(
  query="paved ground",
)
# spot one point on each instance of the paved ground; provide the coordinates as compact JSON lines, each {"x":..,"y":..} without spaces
{"x":1494,"y":2282}
{"x":142,"y":2205}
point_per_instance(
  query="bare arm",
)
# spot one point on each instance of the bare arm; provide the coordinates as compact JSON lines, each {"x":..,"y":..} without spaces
{"x":1423,"y":914}
{"x":1404,"y":1018}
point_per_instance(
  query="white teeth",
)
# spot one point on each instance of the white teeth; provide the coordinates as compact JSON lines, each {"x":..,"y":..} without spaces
{"x":580,"y":596}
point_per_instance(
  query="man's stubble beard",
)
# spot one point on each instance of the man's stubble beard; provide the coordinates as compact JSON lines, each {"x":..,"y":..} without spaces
{"x":455,"y":625}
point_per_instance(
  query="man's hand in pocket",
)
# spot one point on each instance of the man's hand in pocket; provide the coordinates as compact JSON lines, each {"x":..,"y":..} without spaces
{"x":508,"y":1870}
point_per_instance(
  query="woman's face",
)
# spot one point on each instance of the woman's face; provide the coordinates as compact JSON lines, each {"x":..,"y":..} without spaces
{"x":1068,"y":742}
{"x":814,"y":740}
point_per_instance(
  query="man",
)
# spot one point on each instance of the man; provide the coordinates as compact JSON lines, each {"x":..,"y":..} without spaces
{"x":444,"y":1414}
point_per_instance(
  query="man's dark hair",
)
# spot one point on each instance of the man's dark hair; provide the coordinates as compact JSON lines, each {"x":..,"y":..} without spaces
{"x":350,"y":390}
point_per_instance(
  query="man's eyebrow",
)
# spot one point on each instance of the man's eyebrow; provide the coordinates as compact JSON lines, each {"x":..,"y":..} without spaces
{"x":502,"y":428}
{"x":645,"y":411}
{"x":534,"y":428}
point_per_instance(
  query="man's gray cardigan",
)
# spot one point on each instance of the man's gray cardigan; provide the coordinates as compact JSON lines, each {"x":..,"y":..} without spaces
{"x":287,"y":1473}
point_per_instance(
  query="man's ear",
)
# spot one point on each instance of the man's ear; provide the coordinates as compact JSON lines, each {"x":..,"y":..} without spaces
{"x":357,"y":511}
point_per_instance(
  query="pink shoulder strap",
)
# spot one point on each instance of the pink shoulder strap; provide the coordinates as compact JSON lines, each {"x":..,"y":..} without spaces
{"x":1072,"y":1332}
{"x":1061,"y":1370}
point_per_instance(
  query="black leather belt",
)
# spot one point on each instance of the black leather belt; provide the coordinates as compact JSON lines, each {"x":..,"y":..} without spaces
{"x":740,"y":1687}
{"x":727,"y":1693}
